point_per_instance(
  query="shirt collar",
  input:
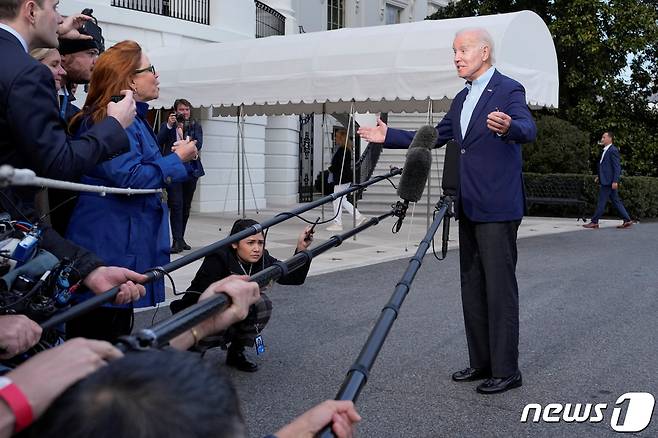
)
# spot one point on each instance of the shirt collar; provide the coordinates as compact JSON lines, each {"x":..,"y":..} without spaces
{"x":606,"y":148}
{"x":482,"y":80}
{"x":18,"y":36}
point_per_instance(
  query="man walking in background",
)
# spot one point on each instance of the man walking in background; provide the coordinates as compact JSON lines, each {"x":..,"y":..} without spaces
{"x":608,"y":179}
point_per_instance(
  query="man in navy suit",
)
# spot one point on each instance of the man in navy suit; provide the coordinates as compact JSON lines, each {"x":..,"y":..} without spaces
{"x":608,"y":179}
{"x":489,"y":119}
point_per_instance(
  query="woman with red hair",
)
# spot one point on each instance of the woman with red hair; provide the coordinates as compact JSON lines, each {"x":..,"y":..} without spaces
{"x":130,"y":231}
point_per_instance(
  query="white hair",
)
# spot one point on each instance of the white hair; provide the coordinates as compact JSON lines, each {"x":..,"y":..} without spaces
{"x":484,"y":37}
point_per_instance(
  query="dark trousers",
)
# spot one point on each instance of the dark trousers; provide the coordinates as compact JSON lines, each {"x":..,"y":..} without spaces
{"x":104,"y":323}
{"x":605,"y":193}
{"x":179,"y":200}
{"x":490,"y":296}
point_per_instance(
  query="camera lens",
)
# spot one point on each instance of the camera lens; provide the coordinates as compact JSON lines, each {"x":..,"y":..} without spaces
{"x":180,"y":118}
{"x":23,"y":284}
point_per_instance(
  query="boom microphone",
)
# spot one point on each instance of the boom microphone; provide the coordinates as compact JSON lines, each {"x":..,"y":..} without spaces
{"x":417,"y":164}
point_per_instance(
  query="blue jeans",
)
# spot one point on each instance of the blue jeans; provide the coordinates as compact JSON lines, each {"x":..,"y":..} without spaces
{"x":605,"y":193}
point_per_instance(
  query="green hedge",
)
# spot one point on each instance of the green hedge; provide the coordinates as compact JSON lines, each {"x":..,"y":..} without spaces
{"x":638,"y":193}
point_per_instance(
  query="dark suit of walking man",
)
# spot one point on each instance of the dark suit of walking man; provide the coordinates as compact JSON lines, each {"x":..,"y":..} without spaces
{"x":489,"y":119}
{"x":609,"y":173}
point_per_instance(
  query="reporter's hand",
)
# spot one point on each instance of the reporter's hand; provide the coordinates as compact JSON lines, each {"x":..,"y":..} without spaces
{"x":70,"y":27}
{"x":46,"y":375}
{"x":124,"y":110}
{"x":18,"y":333}
{"x":341,"y":414}
{"x":305,"y":238}
{"x":243,"y":294}
{"x":105,"y":278}
{"x":615,"y":186}
{"x":186,"y":150}
{"x":374,"y":135}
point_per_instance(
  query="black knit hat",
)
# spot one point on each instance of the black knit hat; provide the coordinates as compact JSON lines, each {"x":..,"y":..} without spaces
{"x":67,"y":46}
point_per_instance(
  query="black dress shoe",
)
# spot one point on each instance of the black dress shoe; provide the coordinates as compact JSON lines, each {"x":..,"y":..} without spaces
{"x":471,"y":374}
{"x":176,"y":247}
{"x":237,"y":359}
{"x":186,"y":247}
{"x":496,"y":385}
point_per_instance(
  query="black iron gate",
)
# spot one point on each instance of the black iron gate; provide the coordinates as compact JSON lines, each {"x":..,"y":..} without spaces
{"x":306,"y":158}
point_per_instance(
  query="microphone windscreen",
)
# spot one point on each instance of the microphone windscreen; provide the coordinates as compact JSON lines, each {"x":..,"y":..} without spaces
{"x":417,"y":165}
{"x":450,"y":169}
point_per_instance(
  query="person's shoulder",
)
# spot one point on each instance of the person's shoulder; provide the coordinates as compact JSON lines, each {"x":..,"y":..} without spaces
{"x":506,"y":80}
{"x":21,"y":66}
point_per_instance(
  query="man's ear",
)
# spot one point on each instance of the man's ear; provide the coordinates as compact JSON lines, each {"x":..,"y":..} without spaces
{"x":486,"y":53}
{"x":29,"y":10}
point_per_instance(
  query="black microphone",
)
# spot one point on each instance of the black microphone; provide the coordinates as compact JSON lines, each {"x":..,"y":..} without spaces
{"x":416,"y":169}
{"x":449,"y":183}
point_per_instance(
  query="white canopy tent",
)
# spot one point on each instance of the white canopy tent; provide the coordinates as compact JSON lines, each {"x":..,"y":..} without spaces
{"x":396,"y":68}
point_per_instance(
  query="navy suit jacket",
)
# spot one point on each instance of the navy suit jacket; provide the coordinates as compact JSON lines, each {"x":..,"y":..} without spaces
{"x":610,"y":167}
{"x":490,"y":166}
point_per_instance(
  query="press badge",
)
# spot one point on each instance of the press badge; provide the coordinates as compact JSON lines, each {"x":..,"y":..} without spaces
{"x":260,"y":347}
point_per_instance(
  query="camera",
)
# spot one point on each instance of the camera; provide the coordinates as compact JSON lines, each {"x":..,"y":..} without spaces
{"x":91,"y":27}
{"x":180,"y":118}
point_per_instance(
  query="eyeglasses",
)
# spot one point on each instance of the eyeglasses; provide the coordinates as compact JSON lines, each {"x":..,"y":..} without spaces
{"x":142,"y":70}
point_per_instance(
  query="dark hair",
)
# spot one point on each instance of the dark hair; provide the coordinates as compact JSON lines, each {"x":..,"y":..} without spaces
{"x":149,"y":394}
{"x":241,"y":225}
{"x":182,"y":102}
{"x":9,"y":8}
{"x":611,"y":135}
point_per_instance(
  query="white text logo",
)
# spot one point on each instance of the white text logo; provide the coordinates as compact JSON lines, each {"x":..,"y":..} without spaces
{"x":631,"y":413}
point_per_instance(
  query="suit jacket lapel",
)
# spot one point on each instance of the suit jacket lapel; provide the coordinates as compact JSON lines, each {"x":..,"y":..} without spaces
{"x":484,"y":98}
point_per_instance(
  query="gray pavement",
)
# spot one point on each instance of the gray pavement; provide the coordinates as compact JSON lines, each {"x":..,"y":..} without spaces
{"x":588,"y":314}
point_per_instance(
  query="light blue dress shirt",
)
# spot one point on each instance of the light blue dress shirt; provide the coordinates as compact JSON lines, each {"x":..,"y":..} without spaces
{"x":475,"y":90}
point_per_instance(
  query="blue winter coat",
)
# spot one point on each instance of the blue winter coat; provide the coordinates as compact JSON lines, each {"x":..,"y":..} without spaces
{"x":130,"y":231}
